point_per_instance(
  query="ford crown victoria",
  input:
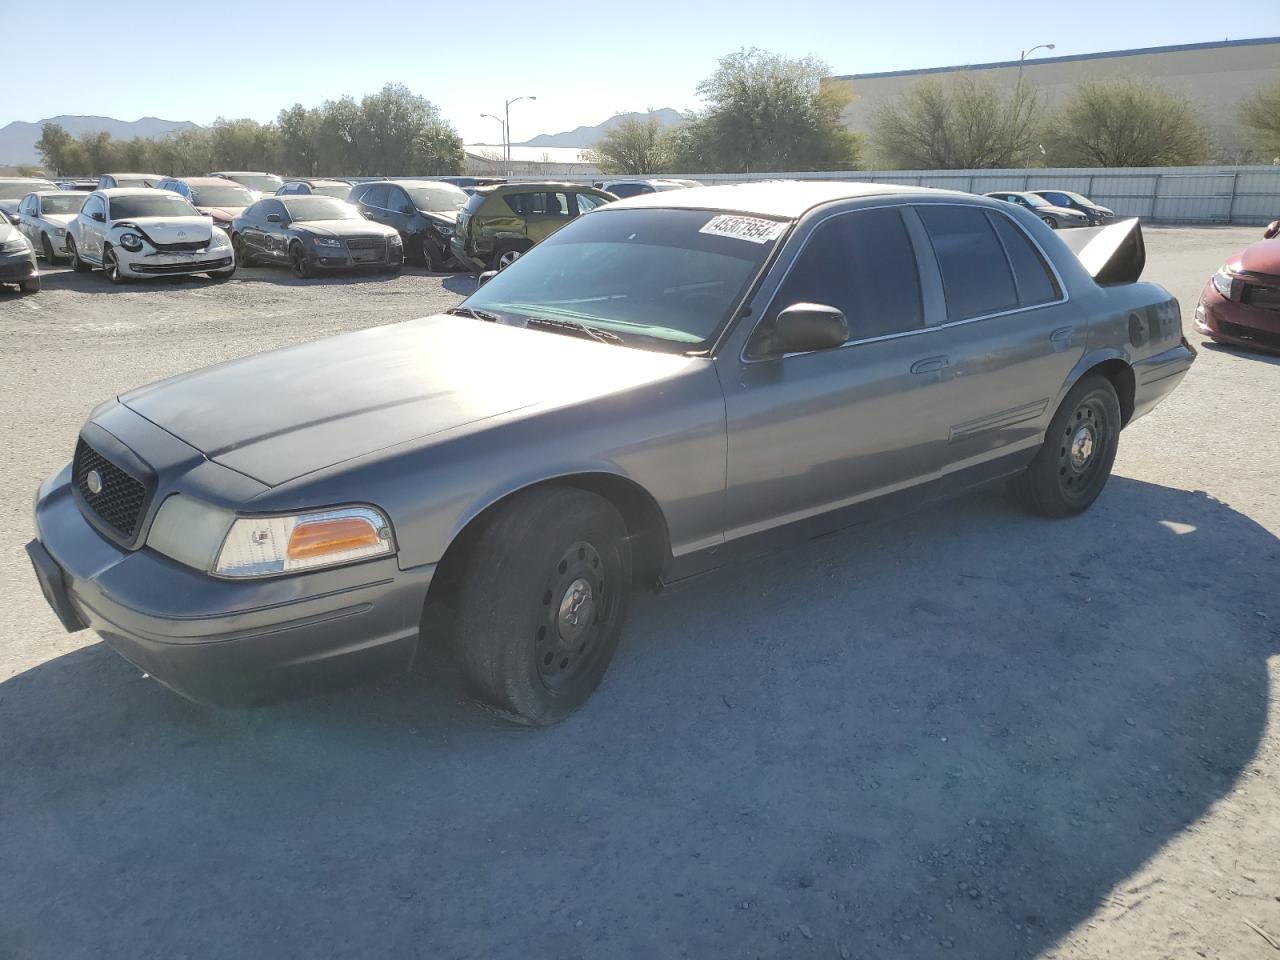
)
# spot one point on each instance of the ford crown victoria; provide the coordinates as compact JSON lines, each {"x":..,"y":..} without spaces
{"x":661,"y":384}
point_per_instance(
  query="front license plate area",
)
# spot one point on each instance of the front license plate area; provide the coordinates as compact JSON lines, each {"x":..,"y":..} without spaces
{"x":53,"y":584}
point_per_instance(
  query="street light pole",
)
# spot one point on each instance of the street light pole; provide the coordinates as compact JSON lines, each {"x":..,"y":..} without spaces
{"x":500,"y":124}
{"x":507,"y":126}
{"x":1027,"y":53}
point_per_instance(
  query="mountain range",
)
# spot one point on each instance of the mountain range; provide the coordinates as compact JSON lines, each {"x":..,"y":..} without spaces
{"x":18,"y":139}
{"x":590,"y":136}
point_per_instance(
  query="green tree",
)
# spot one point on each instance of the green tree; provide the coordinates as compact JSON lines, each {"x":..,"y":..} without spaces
{"x":299,"y":128}
{"x":399,"y":132}
{"x":100,"y":152}
{"x":244,"y":145}
{"x":964,"y":124}
{"x":1261,"y":114}
{"x":768,"y":113}
{"x":1125,"y":123}
{"x":58,"y":150}
{"x":635,"y":145}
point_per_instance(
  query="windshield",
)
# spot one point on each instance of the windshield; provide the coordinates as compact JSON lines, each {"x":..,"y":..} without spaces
{"x":63,"y":203}
{"x":665,"y":279}
{"x":231,"y":195}
{"x":319,"y":208}
{"x":437,"y":198}
{"x":17,"y":189}
{"x":151,"y":205}
{"x":339,"y":190}
{"x":1035,"y":201}
{"x":262,"y":182}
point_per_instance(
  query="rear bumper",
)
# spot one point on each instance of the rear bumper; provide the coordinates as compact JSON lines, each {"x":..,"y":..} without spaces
{"x":1226,"y":321}
{"x":1157,"y":376}
{"x":219,"y":641}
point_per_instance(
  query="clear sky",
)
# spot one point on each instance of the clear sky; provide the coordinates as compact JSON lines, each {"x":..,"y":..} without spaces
{"x":238,"y":58}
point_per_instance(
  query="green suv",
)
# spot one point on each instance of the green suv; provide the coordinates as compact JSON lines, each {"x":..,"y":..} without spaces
{"x":501,"y":222}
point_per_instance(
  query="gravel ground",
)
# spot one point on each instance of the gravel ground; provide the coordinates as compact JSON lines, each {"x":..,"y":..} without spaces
{"x":968,"y":733}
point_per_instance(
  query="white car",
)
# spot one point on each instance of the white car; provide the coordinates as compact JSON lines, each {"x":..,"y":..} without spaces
{"x":17,"y":259}
{"x":13,"y":189}
{"x":43,"y":218}
{"x":135,"y":233}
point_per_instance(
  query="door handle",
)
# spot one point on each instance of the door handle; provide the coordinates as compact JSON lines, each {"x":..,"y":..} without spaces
{"x":930,"y":365}
{"x":1062,"y":335}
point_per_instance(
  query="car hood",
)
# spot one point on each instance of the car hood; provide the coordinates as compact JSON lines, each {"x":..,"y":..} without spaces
{"x":1066,"y":212}
{"x":172,"y":229}
{"x":279,"y":415}
{"x":1261,"y":257}
{"x":344,"y":228}
{"x":62,"y":219}
{"x":224,"y":213}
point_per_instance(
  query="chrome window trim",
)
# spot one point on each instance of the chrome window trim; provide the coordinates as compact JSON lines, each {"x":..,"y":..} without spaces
{"x":1064,"y":294}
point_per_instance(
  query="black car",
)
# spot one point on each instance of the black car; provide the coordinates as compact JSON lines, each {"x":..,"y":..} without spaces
{"x":1071,"y":200}
{"x":313,"y":234}
{"x":306,"y":186}
{"x":423,"y":211}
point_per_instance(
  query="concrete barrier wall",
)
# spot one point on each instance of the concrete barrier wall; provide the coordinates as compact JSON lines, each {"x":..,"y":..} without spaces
{"x":1221,"y":194}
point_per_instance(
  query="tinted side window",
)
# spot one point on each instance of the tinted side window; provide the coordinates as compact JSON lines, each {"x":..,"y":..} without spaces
{"x":976,"y":278}
{"x":375,"y":196}
{"x":1057,"y":199}
{"x":276,"y":207}
{"x":863,"y":265}
{"x":518,"y":202}
{"x":94,"y":205}
{"x":398,"y":201}
{"x":1034,"y":282}
{"x":587,"y":202}
{"x":624,"y":190}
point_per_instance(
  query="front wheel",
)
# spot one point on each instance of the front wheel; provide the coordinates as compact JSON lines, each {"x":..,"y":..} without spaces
{"x":242,"y":255}
{"x":1071,"y":468}
{"x":31,"y":285}
{"x":300,"y":263}
{"x":542,"y":599}
{"x":46,"y":247}
{"x":111,"y":267}
{"x":1053,"y":224}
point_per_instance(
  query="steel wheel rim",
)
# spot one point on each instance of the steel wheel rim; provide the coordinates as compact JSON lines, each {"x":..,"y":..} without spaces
{"x":575,"y":610}
{"x":1082,"y":448}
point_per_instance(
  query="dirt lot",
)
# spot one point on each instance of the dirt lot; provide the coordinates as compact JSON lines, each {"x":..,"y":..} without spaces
{"x":968,"y":733}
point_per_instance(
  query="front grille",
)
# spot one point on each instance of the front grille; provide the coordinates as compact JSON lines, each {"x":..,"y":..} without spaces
{"x":185,"y":246}
{"x":1264,"y":296}
{"x":189,"y":266}
{"x":122,"y":497}
{"x":1263,"y":338}
{"x":366,"y":243}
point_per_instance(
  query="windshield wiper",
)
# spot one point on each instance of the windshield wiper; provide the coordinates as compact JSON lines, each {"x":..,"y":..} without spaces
{"x":573,"y":326}
{"x":473,"y":313}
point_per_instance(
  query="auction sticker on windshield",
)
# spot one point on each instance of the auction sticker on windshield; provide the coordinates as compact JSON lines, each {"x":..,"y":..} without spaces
{"x":744,"y":228}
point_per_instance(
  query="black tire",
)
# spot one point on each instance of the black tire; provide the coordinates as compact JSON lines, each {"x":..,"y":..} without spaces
{"x":31,"y":285}
{"x":243,"y":258}
{"x":1051,"y":221}
{"x":523,"y":641}
{"x":46,"y":247}
{"x":111,"y":267}
{"x":78,"y":265}
{"x":299,"y":262}
{"x":430,"y":259}
{"x":504,"y":256}
{"x":1071,"y":468}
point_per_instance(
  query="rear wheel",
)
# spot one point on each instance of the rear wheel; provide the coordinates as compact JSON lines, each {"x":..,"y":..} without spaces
{"x":111,"y":266}
{"x":78,"y":265}
{"x":46,"y":247}
{"x":1071,"y":468}
{"x":1053,"y":224}
{"x":542,"y":598}
{"x":299,"y":262}
{"x":504,"y":257}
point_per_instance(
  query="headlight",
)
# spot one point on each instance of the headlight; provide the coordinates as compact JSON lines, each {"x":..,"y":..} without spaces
{"x":131,"y":242}
{"x":1222,"y":281}
{"x":261,"y":546}
{"x":397,"y":240}
{"x":220,"y":238}
{"x":16,"y":245}
{"x":328,"y":242}
{"x":215,"y":539}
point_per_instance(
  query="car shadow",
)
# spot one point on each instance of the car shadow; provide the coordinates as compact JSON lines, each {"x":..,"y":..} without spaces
{"x":1260,"y":354}
{"x":961,"y":729}
{"x":463,"y":284}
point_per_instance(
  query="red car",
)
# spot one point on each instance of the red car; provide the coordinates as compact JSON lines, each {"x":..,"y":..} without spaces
{"x":1241,"y":303}
{"x":221,"y":199}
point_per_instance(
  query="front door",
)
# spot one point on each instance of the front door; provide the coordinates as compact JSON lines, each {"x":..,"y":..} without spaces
{"x":812,"y":432}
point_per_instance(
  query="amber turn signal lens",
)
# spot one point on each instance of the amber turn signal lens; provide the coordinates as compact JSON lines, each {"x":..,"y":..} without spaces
{"x":322,"y":537}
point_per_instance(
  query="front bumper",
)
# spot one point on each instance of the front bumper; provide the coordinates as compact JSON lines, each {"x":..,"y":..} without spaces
{"x":221,"y":641}
{"x":339,"y":258}
{"x":155,"y":264}
{"x":16,"y":267}
{"x":1227,"y":321}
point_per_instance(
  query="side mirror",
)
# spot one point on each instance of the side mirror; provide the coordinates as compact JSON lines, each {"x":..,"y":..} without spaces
{"x":806,"y":327}
{"x":485,"y":277}
{"x":273,"y":218}
{"x":100,"y":217}
{"x":1272,"y":231}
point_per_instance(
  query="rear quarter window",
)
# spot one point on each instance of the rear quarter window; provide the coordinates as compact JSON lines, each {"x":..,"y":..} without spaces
{"x":1035,"y":284}
{"x":976,"y":277}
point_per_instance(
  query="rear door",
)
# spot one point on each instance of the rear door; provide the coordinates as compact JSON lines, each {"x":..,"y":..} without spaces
{"x":548,"y":211}
{"x":1014,"y":336}
{"x":813,"y":432}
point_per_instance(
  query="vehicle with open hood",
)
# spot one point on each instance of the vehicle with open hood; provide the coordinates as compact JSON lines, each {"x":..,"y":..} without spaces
{"x":652,"y":390}
{"x":138,"y":233}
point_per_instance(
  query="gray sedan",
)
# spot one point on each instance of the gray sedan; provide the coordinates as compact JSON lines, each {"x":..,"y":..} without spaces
{"x":1058,"y":218}
{"x":662,"y":385}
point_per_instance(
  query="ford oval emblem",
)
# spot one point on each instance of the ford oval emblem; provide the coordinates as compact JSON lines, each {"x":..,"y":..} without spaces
{"x":93,"y":480}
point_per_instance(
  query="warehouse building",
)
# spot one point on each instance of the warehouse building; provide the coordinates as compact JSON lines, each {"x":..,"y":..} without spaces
{"x":1215,"y":77}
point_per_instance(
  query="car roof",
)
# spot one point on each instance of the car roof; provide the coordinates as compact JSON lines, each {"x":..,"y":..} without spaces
{"x":56,"y":193}
{"x":409,"y":182}
{"x":201,"y":181}
{"x":153,"y":176}
{"x":772,"y":198}
{"x":112,"y":192}
{"x":222,"y":174}
{"x":1008,"y":193}
{"x":26,"y":179}
{"x":322,"y":180}
{"x":491,"y":188}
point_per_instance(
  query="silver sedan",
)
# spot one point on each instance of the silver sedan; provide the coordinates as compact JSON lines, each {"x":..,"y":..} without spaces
{"x":43,"y":218}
